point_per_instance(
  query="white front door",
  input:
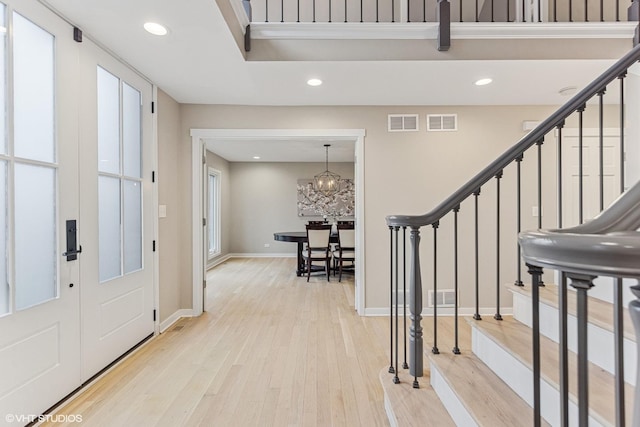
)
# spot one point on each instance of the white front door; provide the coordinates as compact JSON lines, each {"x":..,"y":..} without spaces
{"x":116,"y":208}
{"x":39,"y":288}
{"x":590,"y":173}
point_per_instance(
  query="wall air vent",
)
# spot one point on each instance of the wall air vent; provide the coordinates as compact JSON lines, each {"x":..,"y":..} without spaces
{"x":403,"y":122}
{"x":442,"y":122}
{"x":445,"y":298}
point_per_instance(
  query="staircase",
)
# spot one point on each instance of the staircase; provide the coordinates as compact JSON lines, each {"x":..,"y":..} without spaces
{"x":564,"y":357}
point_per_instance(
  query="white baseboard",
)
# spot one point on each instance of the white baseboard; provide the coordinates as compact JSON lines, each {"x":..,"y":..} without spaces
{"x":217,"y":261}
{"x":263,"y":255}
{"x":442,"y":311}
{"x":166,"y":324}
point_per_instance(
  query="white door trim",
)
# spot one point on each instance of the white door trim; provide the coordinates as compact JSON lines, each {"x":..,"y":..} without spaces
{"x":198,"y":169}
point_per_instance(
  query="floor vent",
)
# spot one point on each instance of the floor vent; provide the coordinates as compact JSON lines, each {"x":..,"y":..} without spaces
{"x":445,"y":298}
{"x":403,"y":122}
{"x":442,"y":122}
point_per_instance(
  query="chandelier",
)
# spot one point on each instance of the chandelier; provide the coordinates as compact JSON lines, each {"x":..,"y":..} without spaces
{"x":327,"y":182}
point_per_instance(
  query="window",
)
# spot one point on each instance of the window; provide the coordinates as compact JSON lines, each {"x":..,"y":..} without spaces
{"x":120,"y":176}
{"x":213,"y":212}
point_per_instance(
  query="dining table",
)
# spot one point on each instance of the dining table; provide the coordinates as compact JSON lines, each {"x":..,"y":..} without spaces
{"x":299,"y":237}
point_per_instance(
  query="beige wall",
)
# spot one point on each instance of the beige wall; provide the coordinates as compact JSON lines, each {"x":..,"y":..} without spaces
{"x":264,"y":201}
{"x":173,"y":283}
{"x":409,"y":173}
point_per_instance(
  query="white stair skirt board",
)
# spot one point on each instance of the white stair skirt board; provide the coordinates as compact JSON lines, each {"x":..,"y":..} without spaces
{"x":600,"y":340}
{"x":449,"y":399}
{"x":520,"y":378}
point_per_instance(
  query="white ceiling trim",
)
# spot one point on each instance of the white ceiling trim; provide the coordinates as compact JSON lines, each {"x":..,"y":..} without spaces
{"x":429,"y":30}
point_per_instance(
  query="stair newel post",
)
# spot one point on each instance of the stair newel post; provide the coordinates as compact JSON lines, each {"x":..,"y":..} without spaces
{"x":618,"y":333}
{"x":415,"y":289}
{"x":396,"y":380}
{"x":518,"y":281}
{"x":435,"y":226}
{"x":559,"y":168}
{"x":498,"y":316}
{"x":563,"y":341}
{"x":456,"y":348}
{"x":405,"y":365}
{"x":476,"y":315}
{"x":634,"y":312}
{"x":582,"y":283}
{"x":391,"y":368}
{"x":539,"y":144}
{"x":536,"y":278}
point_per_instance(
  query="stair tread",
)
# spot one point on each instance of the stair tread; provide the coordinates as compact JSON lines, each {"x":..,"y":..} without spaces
{"x":600,"y":312}
{"x":413,"y":407}
{"x":515,"y":337}
{"x":485,"y":396}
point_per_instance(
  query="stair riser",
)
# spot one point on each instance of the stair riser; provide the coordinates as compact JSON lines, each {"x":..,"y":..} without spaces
{"x":520,"y":378}
{"x":449,"y":399}
{"x":600,"y":340}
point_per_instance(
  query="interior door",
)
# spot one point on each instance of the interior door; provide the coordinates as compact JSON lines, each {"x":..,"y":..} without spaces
{"x":590,"y":173}
{"x":116,"y":207}
{"x":39,"y":288}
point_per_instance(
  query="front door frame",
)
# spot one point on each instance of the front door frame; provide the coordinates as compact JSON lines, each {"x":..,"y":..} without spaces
{"x":198,"y":169}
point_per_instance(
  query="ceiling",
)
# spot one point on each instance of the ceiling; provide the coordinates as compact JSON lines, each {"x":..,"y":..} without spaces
{"x":199,"y":62}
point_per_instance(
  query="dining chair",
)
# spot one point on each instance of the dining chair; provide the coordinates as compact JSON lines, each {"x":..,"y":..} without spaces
{"x":317,"y":247}
{"x":346,"y":250}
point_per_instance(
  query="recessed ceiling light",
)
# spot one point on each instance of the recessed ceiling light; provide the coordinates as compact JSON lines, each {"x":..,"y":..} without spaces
{"x":314,"y":82}
{"x":483,"y":82}
{"x":568,"y":91}
{"x":155,"y":29}
{"x":256,"y":157}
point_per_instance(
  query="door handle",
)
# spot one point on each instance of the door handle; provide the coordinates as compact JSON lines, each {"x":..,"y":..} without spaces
{"x":72,"y":241}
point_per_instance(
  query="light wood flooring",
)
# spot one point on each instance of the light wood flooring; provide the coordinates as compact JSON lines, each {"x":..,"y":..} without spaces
{"x":271,"y":350}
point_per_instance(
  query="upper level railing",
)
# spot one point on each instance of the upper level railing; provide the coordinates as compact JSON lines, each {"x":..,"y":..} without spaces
{"x":407,"y":11}
{"x":585,"y":110}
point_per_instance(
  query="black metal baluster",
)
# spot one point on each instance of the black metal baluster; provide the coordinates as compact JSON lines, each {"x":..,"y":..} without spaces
{"x":329,"y":10}
{"x":555,"y":10}
{"x":601,"y":145}
{"x":396,"y":380}
{"x":518,"y":281}
{"x":580,"y":168}
{"x":391,"y":368}
{"x":408,"y":10}
{"x":298,"y":19}
{"x":498,"y":316}
{"x":345,"y":10}
{"x":476,"y":315}
{"x":536,"y":277}
{"x":281,"y":10}
{"x":564,"y":351}
{"x":377,"y":11}
{"x":618,"y":332}
{"x":602,"y":10}
{"x":559,"y":155}
{"x":582,"y":283}
{"x":570,"y":11}
{"x":393,"y":11}
{"x":524,"y":16}
{"x":361,"y":10}
{"x":586,"y":10}
{"x":435,"y":350}
{"x":424,"y":11}
{"x":622,"y":76}
{"x":539,"y":11}
{"x":456,"y":349}
{"x":460,"y":2}
{"x":266,"y":10}
{"x":314,"y":11}
{"x":477,"y":20}
{"x":539,"y":144}
{"x":492,"y":20}
{"x":508,"y":11}
{"x":617,"y":10}
{"x":405,"y":365}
